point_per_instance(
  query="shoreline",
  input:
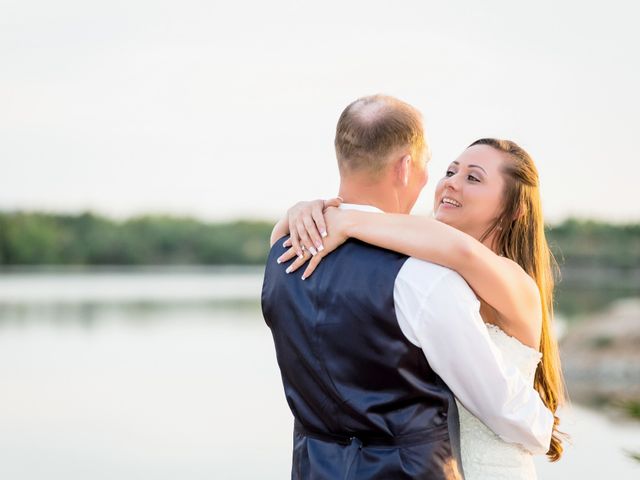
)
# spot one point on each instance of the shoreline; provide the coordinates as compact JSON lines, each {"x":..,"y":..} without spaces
{"x":601,"y":360}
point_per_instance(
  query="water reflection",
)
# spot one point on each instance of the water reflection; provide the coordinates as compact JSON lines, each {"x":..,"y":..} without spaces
{"x":165,"y":375}
{"x":182,"y":394}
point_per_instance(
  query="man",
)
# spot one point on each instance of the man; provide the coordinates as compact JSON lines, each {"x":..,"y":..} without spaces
{"x":356,"y":345}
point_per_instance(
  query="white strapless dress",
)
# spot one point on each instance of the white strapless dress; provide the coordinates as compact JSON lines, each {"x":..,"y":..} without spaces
{"x":484,"y":455}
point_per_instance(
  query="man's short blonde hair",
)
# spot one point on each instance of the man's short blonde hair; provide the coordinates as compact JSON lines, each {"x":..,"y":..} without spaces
{"x":371,"y":128}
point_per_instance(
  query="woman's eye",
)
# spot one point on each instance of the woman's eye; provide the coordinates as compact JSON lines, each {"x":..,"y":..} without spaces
{"x":473,"y":178}
{"x":449,"y":173}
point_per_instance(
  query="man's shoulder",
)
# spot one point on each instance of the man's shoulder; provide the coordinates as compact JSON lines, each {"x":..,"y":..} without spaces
{"x":422,"y":270}
{"x":425,"y":276}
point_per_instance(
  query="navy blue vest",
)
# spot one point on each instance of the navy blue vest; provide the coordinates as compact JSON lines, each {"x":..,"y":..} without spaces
{"x":366,"y":403}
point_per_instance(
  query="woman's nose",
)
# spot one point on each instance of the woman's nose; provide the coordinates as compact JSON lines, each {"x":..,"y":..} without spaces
{"x":451,"y":182}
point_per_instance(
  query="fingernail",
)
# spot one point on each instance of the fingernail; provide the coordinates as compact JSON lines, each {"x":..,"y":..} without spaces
{"x":312,"y":250}
{"x":279,"y":261}
{"x":320,"y":248}
{"x":300,"y":255}
{"x":284,"y":244}
{"x":323,"y":233}
{"x":288,"y":270}
{"x":303,"y":277}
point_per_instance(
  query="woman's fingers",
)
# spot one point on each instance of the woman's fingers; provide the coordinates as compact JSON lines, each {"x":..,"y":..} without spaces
{"x":312,"y":231}
{"x":311,"y":217}
{"x":318,"y":214}
{"x":286,"y":256}
{"x":333,"y":202}
{"x":311,"y":267}
{"x":298,"y":262}
{"x":318,"y":218}
{"x":295,"y":243}
{"x":308,"y":227}
{"x":305,"y":241}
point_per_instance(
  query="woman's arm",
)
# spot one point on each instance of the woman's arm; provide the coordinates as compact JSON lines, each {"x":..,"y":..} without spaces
{"x":499,"y":281}
{"x":310,"y":230}
{"x":279,"y":230}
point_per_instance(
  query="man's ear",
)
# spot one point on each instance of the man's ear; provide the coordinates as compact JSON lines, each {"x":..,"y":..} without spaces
{"x":404,"y":169}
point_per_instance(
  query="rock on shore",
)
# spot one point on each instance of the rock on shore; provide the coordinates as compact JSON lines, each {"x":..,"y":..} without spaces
{"x":601,"y":356}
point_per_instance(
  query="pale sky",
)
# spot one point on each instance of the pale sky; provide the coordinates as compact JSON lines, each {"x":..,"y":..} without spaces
{"x":228,"y":109}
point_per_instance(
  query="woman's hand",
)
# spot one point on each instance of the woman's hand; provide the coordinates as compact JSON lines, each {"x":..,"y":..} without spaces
{"x":307,"y":226}
{"x":336,"y":222}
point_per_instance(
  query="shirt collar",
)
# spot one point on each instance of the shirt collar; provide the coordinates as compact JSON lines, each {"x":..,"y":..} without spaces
{"x":357,"y":206}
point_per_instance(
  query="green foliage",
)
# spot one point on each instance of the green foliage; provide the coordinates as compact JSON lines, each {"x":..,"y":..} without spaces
{"x":88,"y":239}
{"x":32,"y":238}
{"x":602,"y":342}
{"x":588,"y":243}
{"x":633,"y":408}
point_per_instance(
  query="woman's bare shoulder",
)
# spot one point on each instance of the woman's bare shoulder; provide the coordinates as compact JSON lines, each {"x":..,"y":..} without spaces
{"x":526,"y":323}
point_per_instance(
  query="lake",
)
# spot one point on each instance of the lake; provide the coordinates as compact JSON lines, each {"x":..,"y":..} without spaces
{"x":170,"y":373}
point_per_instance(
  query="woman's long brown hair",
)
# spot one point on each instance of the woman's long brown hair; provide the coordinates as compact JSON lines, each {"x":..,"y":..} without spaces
{"x":519,"y":235}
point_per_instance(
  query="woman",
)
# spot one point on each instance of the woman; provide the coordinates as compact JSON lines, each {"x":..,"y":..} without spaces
{"x":488,"y":227}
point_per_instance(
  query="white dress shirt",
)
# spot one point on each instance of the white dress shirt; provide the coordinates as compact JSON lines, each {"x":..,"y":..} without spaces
{"x":438,"y":312}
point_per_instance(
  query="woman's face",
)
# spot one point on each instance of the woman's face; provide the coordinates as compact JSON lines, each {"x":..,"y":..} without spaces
{"x":469,"y":196}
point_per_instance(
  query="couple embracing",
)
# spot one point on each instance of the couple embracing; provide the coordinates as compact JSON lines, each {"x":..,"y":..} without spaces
{"x":414,"y":347}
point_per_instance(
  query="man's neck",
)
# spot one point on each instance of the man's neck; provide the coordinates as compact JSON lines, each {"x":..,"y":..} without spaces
{"x":371,"y":195}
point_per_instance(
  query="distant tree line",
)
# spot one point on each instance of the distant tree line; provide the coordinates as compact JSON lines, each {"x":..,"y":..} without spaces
{"x":588,"y":243}
{"x":32,"y":238}
{"x":28,"y":238}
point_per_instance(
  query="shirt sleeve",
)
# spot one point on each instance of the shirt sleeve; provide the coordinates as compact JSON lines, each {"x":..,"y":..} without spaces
{"x":441,"y":315}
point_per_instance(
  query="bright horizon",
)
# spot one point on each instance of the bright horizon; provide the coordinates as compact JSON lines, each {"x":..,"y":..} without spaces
{"x":228,"y":111}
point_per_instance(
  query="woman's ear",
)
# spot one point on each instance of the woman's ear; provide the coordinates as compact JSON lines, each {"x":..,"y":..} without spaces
{"x":519,"y":212}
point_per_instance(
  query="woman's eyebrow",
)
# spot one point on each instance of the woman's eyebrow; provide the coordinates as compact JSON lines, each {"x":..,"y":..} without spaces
{"x":477,"y":166}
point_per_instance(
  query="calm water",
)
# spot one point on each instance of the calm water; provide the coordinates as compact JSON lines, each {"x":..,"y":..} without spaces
{"x":167,"y":374}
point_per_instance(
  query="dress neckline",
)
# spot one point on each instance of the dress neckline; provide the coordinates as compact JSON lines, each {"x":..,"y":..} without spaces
{"x":530,"y":349}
